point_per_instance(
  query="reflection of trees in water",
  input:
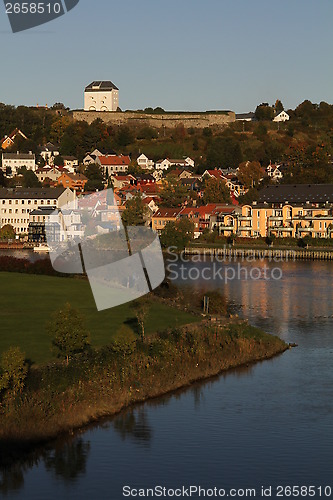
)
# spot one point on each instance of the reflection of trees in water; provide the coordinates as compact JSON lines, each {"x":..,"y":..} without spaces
{"x":68,"y":460}
{"x":12,"y":479}
{"x":134,"y":424}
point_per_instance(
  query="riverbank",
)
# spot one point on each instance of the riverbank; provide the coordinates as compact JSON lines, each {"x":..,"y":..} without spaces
{"x":59,"y":399}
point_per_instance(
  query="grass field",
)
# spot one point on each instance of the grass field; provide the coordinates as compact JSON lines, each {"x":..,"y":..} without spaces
{"x":27,"y":303}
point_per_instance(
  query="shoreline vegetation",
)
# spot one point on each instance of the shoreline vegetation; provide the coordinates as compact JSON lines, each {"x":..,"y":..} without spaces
{"x":130,"y":360}
{"x":59,"y":399}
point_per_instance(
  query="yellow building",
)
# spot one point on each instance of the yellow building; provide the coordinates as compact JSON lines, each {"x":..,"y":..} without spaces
{"x":285,"y":220}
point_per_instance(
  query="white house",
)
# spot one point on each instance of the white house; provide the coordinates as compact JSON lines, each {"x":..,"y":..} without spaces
{"x":167,"y":163}
{"x":71,"y":163}
{"x":17,"y":204}
{"x":274,"y":172}
{"x":282,"y":117}
{"x":144,"y":162}
{"x":49,"y":152}
{"x":101,"y":96}
{"x":12,"y":162}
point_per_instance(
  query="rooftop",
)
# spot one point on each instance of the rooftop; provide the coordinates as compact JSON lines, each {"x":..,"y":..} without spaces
{"x":297,"y":193}
{"x":100,"y":86}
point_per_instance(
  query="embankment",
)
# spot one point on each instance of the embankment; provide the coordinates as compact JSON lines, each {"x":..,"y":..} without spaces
{"x":59,"y":398}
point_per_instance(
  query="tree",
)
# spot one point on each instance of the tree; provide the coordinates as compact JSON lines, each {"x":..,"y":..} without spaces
{"x":58,"y":161}
{"x":251,"y":173}
{"x":278,"y":106}
{"x":95,"y":178}
{"x":13,"y":370}
{"x":135,"y":213}
{"x":264,"y":112}
{"x":141,"y":309}
{"x":224,"y":152}
{"x":177,"y":234}
{"x":30,"y":179}
{"x":216,"y":191}
{"x":69,"y":333}
{"x":124,"y":136}
{"x":7,"y":232}
{"x":173,"y":193}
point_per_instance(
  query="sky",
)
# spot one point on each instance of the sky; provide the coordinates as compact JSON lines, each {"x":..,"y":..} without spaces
{"x":182,"y":55}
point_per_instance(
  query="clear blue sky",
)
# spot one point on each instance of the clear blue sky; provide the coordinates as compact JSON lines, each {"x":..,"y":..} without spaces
{"x":178,"y":54}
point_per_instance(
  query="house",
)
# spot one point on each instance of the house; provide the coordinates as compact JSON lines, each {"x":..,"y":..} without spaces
{"x":151,"y":203}
{"x":214,"y":174}
{"x":182,"y":173}
{"x":144,"y":179}
{"x":8,"y":140}
{"x":275,"y":172}
{"x":49,"y":152}
{"x":76,"y":182}
{"x":71,"y":163}
{"x":163,"y":216}
{"x":92,"y":157}
{"x":167,"y":163}
{"x":13,"y":162}
{"x":119,"y":181}
{"x":101,"y":96}
{"x":144,"y":162}
{"x":50,"y":173}
{"x":113,"y":164}
{"x":16,"y":204}
{"x":282,"y":117}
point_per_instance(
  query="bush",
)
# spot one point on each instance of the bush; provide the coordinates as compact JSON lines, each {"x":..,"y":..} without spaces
{"x":13,"y":370}
{"x":124,"y":341}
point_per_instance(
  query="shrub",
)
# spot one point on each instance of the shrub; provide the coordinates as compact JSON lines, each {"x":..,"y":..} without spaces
{"x":13,"y":370}
{"x":124,"y":341}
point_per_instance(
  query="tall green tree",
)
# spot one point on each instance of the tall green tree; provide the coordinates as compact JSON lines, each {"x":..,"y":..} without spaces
{"x":95,"y":178}
{"x":68,"y":332}
{"x":216,"y":191}
{"x":177,"y":234}
{"x":135,"y":213}
{"x":224,"y":152}
{"x":173,"y":193}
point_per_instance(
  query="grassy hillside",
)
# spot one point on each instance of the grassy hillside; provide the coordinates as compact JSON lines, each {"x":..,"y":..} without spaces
{"x":28,"y":301}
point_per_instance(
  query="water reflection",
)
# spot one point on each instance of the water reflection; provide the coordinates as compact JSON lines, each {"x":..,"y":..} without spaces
{"x":134,"y":425}
{"x":68,"y":461}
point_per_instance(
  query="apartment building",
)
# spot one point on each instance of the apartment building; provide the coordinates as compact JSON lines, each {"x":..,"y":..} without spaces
{"x":13,"y":162}
{"x":17,"y":204}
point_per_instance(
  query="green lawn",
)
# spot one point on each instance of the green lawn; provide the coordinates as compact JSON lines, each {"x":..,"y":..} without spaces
{"x":27,"y":302}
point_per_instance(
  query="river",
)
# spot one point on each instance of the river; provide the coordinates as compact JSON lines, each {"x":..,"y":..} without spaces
{"x":265,"y":425}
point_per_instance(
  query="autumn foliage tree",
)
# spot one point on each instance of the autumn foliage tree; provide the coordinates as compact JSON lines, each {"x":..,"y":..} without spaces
{"x":251,"y":173}
{"x":216,"y":191}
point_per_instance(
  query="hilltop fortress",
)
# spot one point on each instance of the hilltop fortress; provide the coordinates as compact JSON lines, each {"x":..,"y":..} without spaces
{"x":163,"y":120}
{"x":101,"y":100}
